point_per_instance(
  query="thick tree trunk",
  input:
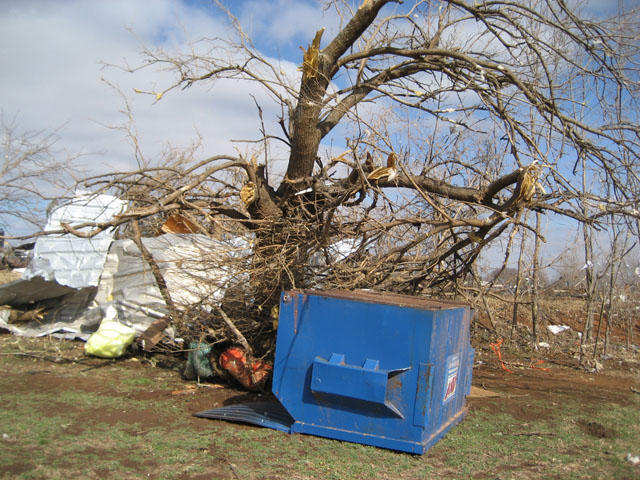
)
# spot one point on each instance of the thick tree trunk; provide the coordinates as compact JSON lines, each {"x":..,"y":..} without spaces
{"x":306,"y":138}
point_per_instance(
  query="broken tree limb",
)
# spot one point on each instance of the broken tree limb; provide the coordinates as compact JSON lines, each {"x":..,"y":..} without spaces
{"x":155,"y":270}
{"x":234,"y":329}
{"x":18,"y":315}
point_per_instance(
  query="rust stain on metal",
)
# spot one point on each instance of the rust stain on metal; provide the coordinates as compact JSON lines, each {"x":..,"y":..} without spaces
{"x":388,"y":299}
{"x":394,"y":383}
{"x":423,"y":388}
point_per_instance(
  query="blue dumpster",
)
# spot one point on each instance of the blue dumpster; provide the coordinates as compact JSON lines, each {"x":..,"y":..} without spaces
{"x":380,"y":369}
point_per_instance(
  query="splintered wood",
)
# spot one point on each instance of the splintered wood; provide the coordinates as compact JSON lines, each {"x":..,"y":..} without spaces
{"x":152,"y":335}
{"x":310,"y":56}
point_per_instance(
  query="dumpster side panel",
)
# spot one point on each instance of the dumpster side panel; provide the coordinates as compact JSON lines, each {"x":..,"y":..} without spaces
{"x":323,"y":327}
{"x":451,"y":349}
{"x":388,"y":375}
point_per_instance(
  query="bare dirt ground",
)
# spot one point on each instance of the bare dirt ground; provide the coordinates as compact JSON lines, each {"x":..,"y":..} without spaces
{"x":50,"y":366}
{"x":552,"y":374}
{"x":521,"y":392}
{"x":539,"y":383}
{"x":496,"y":390}
{"x":619,"y":382}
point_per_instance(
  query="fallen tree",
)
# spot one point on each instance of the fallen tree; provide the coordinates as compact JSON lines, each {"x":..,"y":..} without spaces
{"x":455,"y":118}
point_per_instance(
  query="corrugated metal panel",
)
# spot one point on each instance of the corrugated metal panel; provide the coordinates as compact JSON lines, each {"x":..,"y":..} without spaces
{"x":193,"y":266}
{"x":196,"y":268}
{"x":63,"y":305}
{"x":22,"y":291}
{"x":70,"y":260}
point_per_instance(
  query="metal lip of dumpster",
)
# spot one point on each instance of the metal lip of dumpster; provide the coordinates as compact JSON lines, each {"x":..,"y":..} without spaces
{"x":385,"y":298}
{"x":380,"y":369}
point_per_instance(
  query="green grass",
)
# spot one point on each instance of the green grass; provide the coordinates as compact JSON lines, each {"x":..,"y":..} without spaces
{"x":138,"y":381}
{"x":482,"y":443}
{"x":562,"y":443}
{"x":80,"y":437}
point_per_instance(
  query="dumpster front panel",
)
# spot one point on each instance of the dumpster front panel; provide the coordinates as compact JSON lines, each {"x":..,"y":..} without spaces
{"x":394,"y":374}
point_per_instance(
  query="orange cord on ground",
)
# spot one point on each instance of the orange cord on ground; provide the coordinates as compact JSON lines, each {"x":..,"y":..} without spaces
{"x":533,"y":365}
{"x":496,"y":349}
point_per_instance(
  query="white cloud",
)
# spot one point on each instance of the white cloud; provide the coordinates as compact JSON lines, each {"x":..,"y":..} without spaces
{"x":51,"y":76}
{"x":53,"y":62}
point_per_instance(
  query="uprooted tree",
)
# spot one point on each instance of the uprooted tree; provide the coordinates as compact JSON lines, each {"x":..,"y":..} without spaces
{"x":454,"y":117}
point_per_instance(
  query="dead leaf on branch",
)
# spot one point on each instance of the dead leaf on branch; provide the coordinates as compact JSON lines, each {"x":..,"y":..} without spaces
{"x":177,"y":223}
{"x":389,"y":172}
{"x":248,"y":194}
{"x":528,"y":185}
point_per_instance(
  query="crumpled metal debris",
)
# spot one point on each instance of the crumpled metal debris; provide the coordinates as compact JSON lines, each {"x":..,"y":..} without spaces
{"x":69,"y":260}
{"x":251,"y":373}
{"x":192,"y":265}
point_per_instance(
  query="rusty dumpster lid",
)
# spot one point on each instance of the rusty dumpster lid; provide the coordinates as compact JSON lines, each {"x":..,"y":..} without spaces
{"x":387,"y":298}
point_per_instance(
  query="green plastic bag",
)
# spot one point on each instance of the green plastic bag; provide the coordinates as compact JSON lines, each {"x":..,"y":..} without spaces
{"x":110,"y":341}
{"x":198,"y":363}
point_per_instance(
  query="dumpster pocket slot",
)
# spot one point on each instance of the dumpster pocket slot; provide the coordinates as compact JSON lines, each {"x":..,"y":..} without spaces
{"x":367,"y":386}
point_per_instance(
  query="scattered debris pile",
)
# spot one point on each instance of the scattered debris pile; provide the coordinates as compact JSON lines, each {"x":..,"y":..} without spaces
{"x":150,"y":291}
{"x":205,"y":364}
{"x":251,"y":373}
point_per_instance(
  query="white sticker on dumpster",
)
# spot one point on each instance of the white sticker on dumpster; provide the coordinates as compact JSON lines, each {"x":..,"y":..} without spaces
{"x":453,"y":366}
